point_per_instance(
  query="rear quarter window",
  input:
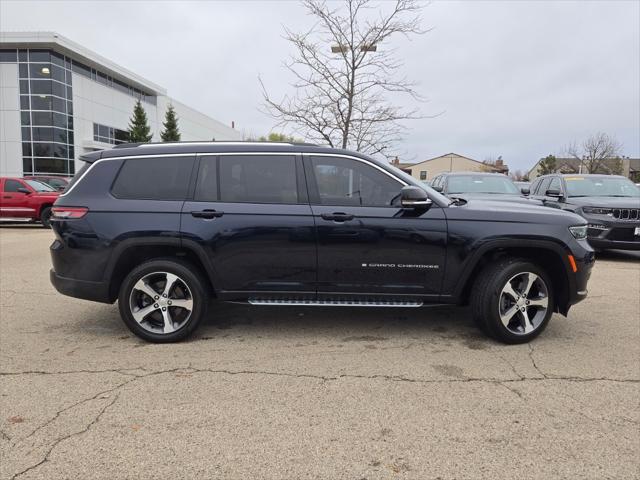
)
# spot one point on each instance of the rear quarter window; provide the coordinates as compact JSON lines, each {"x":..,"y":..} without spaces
{"x":154,"y":178}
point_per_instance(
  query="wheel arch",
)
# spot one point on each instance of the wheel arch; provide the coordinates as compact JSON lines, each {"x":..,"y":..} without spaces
{"x":132,"y":252}
{"x":548,"y":255}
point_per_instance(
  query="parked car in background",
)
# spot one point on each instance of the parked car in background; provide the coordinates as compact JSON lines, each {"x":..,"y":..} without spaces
{"x":610,"y":203}
{"x":163,"y":228}
{"x":58,"y":183}
{"x":479,"y":185}
{"x":523,"y":186}
{"x":26,"y":199}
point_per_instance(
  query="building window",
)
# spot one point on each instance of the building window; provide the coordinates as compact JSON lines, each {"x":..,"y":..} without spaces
{"x":105,"y":134}
{"x":47,"y":123}
{"x":423,"y":174}
{"x":109,"y":81}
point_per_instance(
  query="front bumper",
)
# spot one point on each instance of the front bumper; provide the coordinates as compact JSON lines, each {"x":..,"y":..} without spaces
{"x":585,"y":259}
{"x":94,"y":291}
{"x":607,"y":233}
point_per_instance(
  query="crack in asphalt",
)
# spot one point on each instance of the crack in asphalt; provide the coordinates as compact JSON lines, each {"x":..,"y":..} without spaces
{"x":66,"y":437}
{"x":533,"y":361}
{"x":505,"y":383}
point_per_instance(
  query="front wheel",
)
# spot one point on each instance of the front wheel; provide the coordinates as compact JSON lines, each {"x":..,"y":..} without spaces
{"x":513,"y":301}
{"x":163,"y":300}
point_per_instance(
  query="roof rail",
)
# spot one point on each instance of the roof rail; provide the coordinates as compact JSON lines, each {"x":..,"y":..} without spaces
{"x":229,"y":142}
{"x":128,"y":145}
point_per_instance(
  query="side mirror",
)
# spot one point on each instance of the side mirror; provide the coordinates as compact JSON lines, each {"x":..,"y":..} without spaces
{"x":525,"y":191}
{"x":554,"y":193}
{"x":414,"y":198}
{"x":437,"y":189}
{"x":26,"y":191}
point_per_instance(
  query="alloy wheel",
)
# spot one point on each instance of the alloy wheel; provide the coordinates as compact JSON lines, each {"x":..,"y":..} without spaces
{"x":523,"y":303}
{"x":161,"y":302}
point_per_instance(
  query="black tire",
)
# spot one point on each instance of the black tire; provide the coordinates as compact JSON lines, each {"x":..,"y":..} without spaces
{"x":486,"y":298}
{"x":196,"y":290}
{"x":45,"y":217}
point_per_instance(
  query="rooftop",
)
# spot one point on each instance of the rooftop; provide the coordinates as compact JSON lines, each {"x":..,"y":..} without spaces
{"x":61,"y":44}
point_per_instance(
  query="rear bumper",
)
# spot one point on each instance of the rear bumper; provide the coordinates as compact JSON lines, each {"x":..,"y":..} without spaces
{"x":94,"y":291}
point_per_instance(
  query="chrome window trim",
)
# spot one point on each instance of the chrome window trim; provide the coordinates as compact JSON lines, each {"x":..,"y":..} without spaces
{"x":208,"y":154}
{"x":362,"y":160}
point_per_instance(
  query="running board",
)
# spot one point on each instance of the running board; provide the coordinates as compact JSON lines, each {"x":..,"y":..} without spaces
{"x":333,"y":303}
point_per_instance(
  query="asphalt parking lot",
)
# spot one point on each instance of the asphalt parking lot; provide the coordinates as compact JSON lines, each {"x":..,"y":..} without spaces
{"x":277,"y":392}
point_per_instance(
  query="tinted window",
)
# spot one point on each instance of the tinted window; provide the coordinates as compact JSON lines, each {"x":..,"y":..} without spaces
{"x":342,"y":181}
{"x":12,"y":185}
{"x":8,"y":56}
{"x":258,"y":179}
{"x":207,"y":184}
{"x":162,"y":178}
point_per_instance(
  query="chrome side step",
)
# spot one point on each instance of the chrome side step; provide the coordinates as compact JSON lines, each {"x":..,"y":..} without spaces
{"x":333,"y":303}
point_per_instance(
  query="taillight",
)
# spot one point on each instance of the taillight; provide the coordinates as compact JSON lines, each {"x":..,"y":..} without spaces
{"x":69,"y":212}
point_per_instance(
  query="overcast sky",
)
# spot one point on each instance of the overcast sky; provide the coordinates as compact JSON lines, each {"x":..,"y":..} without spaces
{"x":518,"y":79}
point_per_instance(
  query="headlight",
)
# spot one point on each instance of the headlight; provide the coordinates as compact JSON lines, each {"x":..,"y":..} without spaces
{"x":579,"y":231}
{"x":597,"y":210}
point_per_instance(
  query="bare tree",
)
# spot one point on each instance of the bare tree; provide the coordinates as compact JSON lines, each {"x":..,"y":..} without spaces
{"x":342,"y":75}
{"x":595,"y":152}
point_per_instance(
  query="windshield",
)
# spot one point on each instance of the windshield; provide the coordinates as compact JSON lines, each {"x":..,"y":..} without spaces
{"x":39,"y":186}
{"x":601,"y":187}
{"x":481,"y":184}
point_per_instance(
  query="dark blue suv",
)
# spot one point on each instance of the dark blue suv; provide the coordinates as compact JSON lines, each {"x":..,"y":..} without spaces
{"x":163,"y":228}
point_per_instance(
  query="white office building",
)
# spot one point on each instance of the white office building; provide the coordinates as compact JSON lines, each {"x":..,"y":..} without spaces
{"x":59,"y":100}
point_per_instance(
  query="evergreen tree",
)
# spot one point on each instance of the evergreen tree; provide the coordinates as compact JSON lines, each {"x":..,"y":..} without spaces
{"x":547,"y":165}
{"x":139,"y":130}
{"x":170,"y":124}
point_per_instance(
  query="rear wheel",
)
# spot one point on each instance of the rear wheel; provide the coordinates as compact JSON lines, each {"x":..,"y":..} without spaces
{"x":45,"y":217}
{"x":163,"y":300}
{"x":512,"y":301}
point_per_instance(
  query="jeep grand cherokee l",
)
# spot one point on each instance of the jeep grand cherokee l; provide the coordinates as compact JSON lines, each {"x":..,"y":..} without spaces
{"x":162,"y":228}
{"x":609,"y":203}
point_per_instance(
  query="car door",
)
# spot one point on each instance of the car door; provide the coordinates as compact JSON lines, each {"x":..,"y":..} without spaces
{"x":250,"y":214}
{"x":13,"y":202}
{"x":368,"y":247}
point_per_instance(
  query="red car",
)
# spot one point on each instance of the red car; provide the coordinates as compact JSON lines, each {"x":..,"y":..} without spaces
{"x":22,"y":199}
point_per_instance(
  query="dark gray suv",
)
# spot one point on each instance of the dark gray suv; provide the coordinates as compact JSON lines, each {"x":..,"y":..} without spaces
{"x":610,"y":203}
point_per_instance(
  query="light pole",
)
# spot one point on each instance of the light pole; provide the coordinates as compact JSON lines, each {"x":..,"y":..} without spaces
{"x":346,"y":48}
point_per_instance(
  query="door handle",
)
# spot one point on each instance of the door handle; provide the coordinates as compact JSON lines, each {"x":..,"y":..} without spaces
{"x":337,"y":216}
{"x":7,"y":196}
{"x":207,"y":214}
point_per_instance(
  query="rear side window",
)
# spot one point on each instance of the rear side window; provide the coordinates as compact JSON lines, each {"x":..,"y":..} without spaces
{"x":159,"y":178}
{"x":258,"y":179}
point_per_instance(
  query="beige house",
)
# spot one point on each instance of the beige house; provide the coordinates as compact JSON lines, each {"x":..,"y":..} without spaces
{"x":629,"y":167}
{"x":451,"y":162}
